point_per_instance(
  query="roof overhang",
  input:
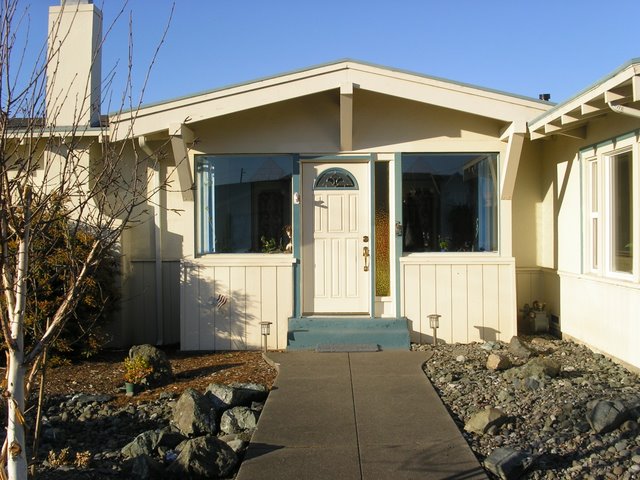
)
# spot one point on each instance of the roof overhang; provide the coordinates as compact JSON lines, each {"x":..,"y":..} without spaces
{"x":343,"y":77}
{"x":619,"y":91}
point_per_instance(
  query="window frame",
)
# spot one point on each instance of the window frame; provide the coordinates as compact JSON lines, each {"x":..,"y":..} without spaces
{"x":600,"y":244}
{"x":199,"y":226}
{"x":498,"y":215}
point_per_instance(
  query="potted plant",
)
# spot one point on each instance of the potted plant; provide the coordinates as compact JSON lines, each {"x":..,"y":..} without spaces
{"x":136,"y":370}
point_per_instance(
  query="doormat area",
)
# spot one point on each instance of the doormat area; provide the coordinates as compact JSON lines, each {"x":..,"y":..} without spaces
{"x":347,"y":347}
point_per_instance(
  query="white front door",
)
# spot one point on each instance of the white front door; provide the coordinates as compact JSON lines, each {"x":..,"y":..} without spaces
{"x":336,"y":261}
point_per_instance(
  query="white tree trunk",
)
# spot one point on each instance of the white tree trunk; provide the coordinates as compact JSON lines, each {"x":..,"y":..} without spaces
{"x":16,"y":442}
{"x":16,"y":454}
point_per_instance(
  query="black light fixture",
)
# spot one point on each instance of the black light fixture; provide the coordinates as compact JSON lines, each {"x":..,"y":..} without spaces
{"x":545,"y":96}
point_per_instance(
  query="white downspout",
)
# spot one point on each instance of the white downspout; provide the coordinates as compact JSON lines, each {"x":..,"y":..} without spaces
{"x":157,"y":220}
{"x":632,"y":112}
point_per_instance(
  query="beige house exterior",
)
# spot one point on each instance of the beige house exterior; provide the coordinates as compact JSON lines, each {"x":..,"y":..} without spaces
{"x":360,"y":192}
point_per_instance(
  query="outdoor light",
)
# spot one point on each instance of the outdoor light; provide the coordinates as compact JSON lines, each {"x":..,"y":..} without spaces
{"x":434,"y":323}
{"x":265,"y":330}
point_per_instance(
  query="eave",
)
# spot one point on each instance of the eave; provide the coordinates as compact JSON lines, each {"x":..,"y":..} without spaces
{"x":571,"y":118}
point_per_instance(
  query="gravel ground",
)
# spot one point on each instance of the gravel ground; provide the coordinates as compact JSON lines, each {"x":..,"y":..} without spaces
{"x":546,"y":417}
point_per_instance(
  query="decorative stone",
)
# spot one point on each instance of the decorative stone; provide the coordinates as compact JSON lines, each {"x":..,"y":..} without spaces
{"x":238,"y":419}
{"x":224,"y":397}
{"x":204,"y":457}
{"x":496,"y":361}
{"x":605,"y":415}
{"x":146,"y":468}
{"x":480,"y":422}
{"x":194,"y":415}
{"x":508,"y":463}
{"x":518,"y":348}
{"x":143,"y":444}
{"x":158,"y":361}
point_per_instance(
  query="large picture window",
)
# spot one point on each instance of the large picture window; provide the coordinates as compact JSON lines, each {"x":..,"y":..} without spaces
{"x":244,"y":203}
{"x":449,"y":202}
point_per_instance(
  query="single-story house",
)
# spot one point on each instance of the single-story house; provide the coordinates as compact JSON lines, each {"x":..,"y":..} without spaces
{"x":344,"y":201}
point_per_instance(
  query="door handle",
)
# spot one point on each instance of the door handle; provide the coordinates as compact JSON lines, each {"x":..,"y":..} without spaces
{"x":365,"y":254}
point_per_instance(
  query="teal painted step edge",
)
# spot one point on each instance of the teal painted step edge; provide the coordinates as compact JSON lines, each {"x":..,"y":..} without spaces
{"x":305,"y":333}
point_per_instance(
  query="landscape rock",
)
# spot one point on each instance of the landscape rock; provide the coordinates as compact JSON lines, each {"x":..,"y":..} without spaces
{"x":495,"y":361}
{"x":144,"y":467}
{"x":203,"y":458}
{"x":482,"y":421}
{"x":507,"y":463}
{"x":238,"y":419}
{"x":143,"y":444}
{"x":606,"y":415}
{"x":158,"y":361}
{"x":546,"y":416}
{"x":224,"y":397}
{"x":518,"y":348}
{"x":193,"y":414}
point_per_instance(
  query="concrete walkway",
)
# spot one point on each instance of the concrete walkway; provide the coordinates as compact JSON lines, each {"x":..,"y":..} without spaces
{"x":356,"y":416}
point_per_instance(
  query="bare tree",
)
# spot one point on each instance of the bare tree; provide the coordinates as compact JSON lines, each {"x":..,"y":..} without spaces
{"x":54,"y":169}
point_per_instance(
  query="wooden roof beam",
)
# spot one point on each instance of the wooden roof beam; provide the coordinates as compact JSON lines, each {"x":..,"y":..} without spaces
{"x":578,"y":132}
{"x":635,"y":88}
{"x":346,"y":117}
{"x":618,"y":95}
{"x":180,"y":135}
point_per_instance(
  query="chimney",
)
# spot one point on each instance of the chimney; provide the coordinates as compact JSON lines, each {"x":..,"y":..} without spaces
{"x":75,"y":64}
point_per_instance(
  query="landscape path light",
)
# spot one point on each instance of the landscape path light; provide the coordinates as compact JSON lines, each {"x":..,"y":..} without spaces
{"x":434,"y":323}
{"x":265,"y":330}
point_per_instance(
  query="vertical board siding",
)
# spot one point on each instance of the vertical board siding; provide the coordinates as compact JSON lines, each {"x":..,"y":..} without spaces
{"x":253,"y":294}
{"x":530,"y":286}
{"x":602,"y":314}
{"x":476,"y":300}
{"x":140,"y":316}
{"x":412,"y":309}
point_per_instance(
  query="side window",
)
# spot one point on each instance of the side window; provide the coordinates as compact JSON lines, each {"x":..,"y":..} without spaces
{"x":621,"y":212}
{"x":244,"y":203}
{"x":449,"y":202}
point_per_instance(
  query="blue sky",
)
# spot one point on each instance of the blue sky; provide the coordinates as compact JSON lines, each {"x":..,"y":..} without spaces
{"x":522,"y":47}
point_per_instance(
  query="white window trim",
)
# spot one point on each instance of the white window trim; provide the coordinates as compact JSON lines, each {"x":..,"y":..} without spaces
{"x":608,"y":229}
{"x":603,"y":154}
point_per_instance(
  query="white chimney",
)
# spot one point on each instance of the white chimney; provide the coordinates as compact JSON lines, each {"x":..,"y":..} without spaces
{"x":75,"y":65}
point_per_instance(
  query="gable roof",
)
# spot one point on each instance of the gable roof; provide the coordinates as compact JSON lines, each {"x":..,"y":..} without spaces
{"x":345,"y":76}
{"x":619,"y":88}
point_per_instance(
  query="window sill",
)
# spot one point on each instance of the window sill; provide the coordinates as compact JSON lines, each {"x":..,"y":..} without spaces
{"x":246,"y":259}
{"x":629,"y":282}
{"x":456,"y":258}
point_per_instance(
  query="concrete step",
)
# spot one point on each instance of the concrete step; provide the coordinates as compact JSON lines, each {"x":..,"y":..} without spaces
{"x":307,"y":333}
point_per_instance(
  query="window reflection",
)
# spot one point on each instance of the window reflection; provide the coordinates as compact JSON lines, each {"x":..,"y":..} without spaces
{"x":449,"y":202}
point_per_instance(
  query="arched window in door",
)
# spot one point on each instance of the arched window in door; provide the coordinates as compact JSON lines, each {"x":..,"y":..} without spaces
{"x":336,"y":178}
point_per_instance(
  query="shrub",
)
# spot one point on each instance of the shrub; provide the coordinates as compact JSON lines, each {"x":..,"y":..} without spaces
{"x":55,"y":254}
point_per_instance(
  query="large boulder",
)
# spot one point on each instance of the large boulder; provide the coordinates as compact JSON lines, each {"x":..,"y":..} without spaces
{"x":143,"y":444}
{"x":158,"y":361}
{"x":238,"y":420}
{"x":144,"y":467}
{"x":520,"y":349}
{"x":224,"y":397}
{"x":606,"y":415}
{"x":507,"y":463}
{"x":204,"y":457}
{"x":193,"y":414}
{"x":480,"y":422}
{"x":495,"y":361}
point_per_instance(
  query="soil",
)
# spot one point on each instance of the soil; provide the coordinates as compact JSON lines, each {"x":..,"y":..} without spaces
{"x":103,"y":373}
